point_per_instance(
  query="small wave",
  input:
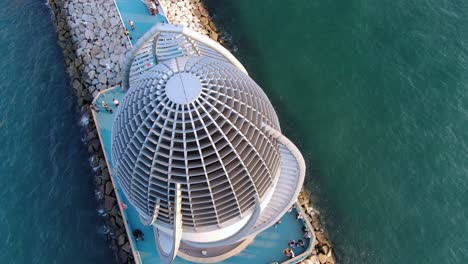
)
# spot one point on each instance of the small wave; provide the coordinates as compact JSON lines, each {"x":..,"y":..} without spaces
{"x":83,"y":139}
{"x":227,"y":38}
{"x":84,"y":120}
{"x":91,"y":159}
{"x":97,"y":193}
{"x":102,"y":212}
{"x":93,"y":163}
{"x":104,"y":230}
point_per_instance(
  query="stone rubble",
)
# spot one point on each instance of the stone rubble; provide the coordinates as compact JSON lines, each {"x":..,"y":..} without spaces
{"x":90,"y":34}
{"x":322,"y":252}
{"x":192,"y":14}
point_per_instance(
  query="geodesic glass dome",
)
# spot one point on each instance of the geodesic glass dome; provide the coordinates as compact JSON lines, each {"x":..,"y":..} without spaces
{"x":195,"y":121}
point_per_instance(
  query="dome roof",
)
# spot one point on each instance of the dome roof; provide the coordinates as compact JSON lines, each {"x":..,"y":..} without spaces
{"x":195,"y":121}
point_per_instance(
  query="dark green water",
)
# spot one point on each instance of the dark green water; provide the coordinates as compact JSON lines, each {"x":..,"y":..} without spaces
{"x":375,"y":93}
{"x":47,"y":210}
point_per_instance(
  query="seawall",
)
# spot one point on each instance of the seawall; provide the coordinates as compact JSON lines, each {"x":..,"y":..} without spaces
{"x":91,"y":34}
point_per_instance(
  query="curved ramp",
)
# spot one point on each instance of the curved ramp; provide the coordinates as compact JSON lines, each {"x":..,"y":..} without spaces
{"x":289,"y":183}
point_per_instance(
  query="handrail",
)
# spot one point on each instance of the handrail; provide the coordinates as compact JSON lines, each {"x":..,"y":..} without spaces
{"x":312,"y":241}
{"x":121,"y":19}
{"x":135,"y":252}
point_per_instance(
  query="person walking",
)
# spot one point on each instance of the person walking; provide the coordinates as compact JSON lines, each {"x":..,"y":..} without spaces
{"x":138,"y":234}
{"x":116,"y":102}
{"x":299,"y":216}
{"x":277,"y":223}
{"x":127,"y":33}
{"x":106,"y":106}
{"x":153,"y":8}
{"x":300,"y":243}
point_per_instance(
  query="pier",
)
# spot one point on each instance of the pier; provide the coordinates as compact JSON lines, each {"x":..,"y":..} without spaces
{"x":267,"y":247}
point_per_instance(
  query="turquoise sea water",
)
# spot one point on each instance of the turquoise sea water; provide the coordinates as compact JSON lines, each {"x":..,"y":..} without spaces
{"x":48,"y":213}
{"x":375,"y":93}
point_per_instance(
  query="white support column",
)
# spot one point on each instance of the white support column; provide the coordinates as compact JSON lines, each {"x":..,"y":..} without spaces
{"x":168,"y":244}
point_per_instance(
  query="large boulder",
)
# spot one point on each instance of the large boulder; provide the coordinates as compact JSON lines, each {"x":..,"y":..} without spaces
{"x":321,"y":238}
{"x":126,"y":247}
{"x":323,"y":248}
{"x":109,"y":202}
{"x":313,"y":260}
{"x":121,"y":239}
{"x":109,"y":188}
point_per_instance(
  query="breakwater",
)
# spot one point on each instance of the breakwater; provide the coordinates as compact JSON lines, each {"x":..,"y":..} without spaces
{"x":92,"y":37}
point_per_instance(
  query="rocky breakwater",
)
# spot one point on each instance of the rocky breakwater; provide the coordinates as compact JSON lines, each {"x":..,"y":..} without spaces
{"x":322,"y":252}
{"x":90,"y":33}
{"x":192,"y":14}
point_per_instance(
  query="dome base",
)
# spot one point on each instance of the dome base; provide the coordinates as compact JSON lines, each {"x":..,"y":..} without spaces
{"x":213,"y":254}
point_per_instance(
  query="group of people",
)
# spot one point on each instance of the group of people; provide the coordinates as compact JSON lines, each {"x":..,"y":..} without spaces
{"x":154,"y":10}
{"x":307,"y":234}
{"x":106,"y":106}
{"x":132,"y":26}
{"x":292,"y":244}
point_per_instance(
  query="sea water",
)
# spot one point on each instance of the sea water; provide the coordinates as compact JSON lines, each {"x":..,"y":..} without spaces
{"x":375,"y":94}
{"x":48,"y":212}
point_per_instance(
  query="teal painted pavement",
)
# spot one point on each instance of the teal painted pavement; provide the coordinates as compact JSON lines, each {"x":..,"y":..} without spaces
{"x":137,"y":11}
{"x":266,"y":248}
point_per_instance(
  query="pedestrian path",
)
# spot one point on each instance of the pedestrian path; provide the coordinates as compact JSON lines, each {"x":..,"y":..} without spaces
{"x":137,"y":11}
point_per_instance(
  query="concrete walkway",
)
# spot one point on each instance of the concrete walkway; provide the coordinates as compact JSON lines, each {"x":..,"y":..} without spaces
{"x":137,"y":11}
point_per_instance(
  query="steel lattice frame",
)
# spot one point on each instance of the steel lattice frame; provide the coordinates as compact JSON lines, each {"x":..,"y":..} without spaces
{"x":197,"y":147}
{"x":214,"y":147}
